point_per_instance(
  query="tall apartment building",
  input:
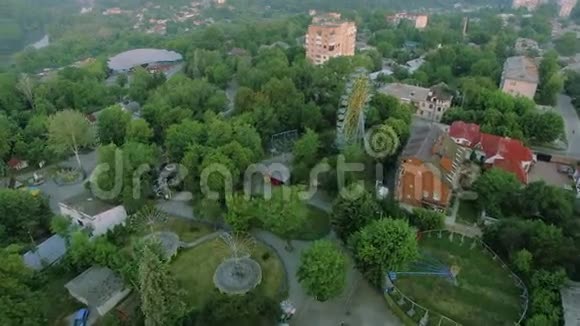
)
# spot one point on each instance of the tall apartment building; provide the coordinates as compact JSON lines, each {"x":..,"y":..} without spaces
{"x":419,"y":20}
{"x":520,"y":77}
{"x":328,"y":37}
{"x":528,"y":4}
{"x":565,"y":7}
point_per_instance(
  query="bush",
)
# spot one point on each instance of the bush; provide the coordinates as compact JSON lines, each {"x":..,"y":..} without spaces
{"x":426,"y":219}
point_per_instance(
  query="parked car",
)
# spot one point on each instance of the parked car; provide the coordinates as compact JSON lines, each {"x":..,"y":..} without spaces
{"x":81,"y":317}
{"x":566,"y":169}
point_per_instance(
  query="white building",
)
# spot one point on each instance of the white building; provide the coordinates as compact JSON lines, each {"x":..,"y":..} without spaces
{"x":92,"y":213}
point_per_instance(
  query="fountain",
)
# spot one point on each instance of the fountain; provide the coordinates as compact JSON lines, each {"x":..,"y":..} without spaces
{"x":239,"y":273}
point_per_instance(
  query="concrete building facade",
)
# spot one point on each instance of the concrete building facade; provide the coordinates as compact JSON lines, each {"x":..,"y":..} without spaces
{"x":431,"y":103}
{"x":329,"y":37}
{"x":420,"y":21}
{"x":565,"y":7}
{"x":520,"y":77}
{"x":92,"y":213}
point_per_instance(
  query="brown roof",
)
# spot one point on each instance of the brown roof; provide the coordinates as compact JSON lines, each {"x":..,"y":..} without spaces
{"x":521,"y":68}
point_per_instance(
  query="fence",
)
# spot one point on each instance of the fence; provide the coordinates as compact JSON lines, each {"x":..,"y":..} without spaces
{"x":416,"y":311}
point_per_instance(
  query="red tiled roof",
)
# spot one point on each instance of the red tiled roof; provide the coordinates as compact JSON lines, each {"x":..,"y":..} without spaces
{"x":514,"y":167}
{"x":510,"y":149}
{"x":463,"y":130}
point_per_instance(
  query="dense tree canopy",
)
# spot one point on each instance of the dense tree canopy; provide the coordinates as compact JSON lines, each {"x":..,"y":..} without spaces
{"x":322,"y":270}
{"x":382,"y":246}
{"x":23,"y":217}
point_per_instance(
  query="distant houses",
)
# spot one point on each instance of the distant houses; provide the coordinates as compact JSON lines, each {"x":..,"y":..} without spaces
{"x":431,"y":103}
{"x":419,"y":21}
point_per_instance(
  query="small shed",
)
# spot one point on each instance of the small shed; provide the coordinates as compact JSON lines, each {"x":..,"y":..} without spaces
{"x":46,"y":253}
{"x":99,"y":288}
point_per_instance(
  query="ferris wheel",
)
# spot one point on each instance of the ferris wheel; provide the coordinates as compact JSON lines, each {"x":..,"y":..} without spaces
{"x":350,"y":124}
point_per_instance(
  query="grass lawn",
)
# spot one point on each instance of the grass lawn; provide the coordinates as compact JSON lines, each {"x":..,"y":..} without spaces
{"x":484,"y":294}
{"x":468,"y":212}
{"x":317,"y":225}
{"x":187,"y":230}
{"x":194,"y":269}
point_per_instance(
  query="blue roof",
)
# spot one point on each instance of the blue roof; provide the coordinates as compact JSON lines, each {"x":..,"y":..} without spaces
{"x":46,"y":253}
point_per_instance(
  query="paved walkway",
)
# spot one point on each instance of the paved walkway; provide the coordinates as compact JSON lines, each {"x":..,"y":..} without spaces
{"x":365,"y":305}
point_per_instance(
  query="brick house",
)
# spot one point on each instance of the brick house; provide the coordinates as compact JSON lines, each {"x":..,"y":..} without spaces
{"x":502,"y":152}
{"x":429,"y":170}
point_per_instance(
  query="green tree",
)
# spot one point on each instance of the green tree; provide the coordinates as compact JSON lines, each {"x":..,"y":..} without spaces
{"x":401,"y":128}
{"x":243,"y":310}
{"x":542,"y":127}
{"x":241,"y":212}
{"x":383,"y":245}
{"x":69,"y":131}
{"x":19,"y":300}
{"x":522,"y":260}
{"x":322,"y":270}
{"x":161,"y":300}
{"x":496,"y":188}
{"x":426,"y":219}
{"x":181,"y":136}
{"x":568,"y":44}
{"x":138,"y":130}
{"x":23,"y":217}
{"x":285,"y":213}
{"x":60,"y":225}
{"x":112,"y":125}
{"x":350,"y":215}
{"x":551,"y":82}
{"x":305,"y":154}
{"x":122,"y":80}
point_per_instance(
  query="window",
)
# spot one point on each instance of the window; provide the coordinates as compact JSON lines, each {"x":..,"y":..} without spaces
{"x":425,"y":194}
{"x":436,"y":196}
{"x":324,"y":46}
{"x":331,"y":48}
{"x":430,"y":106}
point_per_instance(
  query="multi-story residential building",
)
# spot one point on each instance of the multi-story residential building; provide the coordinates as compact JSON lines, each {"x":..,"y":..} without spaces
{"x":528,"y":4}
{"x":430,"y":168}
{"x":520,"y":77}
{"x":494,"y":151}
{"x":328,"y":37}
{"x":565,"y":7}
{"x":431,"y":103}
{"x":419,"y":20}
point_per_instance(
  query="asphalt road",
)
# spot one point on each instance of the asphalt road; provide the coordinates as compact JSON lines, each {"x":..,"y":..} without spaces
{"x":571,"y":123}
